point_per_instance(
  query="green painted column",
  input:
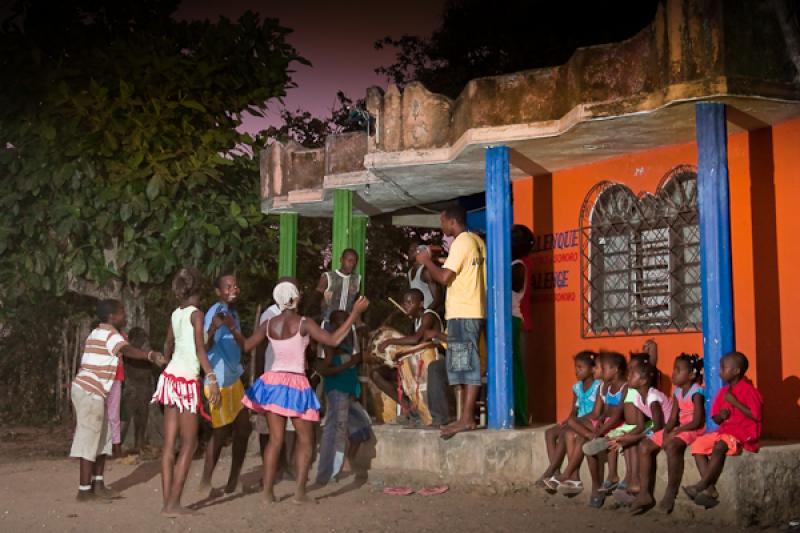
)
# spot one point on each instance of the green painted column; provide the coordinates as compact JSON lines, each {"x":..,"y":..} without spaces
{"x":359,"y":243}
{"x":287,"y":258}
{"x":342,"y":224}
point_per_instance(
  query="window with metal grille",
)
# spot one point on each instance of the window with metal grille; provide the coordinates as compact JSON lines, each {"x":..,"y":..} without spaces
{"x":640,"y":258}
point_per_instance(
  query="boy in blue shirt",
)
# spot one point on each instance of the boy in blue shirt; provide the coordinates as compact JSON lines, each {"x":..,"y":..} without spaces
{"x":229,"y":419}
{"x":340,"y":371}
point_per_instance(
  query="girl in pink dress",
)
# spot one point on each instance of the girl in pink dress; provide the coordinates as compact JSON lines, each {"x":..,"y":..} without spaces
{"x":283,"y":391}
{"x":686,"y":423}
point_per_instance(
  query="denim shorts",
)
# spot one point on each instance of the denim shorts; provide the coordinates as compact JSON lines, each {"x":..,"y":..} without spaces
{"x":463,"y":357}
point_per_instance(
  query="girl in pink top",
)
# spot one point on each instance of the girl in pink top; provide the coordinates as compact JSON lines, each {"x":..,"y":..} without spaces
{"x":283,"y":391}
{"x":684,"y":425}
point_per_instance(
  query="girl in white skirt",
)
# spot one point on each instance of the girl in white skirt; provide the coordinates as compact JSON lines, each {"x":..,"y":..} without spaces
{"x":179,"y":388}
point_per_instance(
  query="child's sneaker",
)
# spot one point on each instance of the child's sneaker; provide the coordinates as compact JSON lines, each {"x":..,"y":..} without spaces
{"x":87,"y":496}
{"x":595,"y":446}
{"x":100,"y":490}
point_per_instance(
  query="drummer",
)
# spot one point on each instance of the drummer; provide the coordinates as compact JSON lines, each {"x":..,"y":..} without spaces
{"x":385,"y":378}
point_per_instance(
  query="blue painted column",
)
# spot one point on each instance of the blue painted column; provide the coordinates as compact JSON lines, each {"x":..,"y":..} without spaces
{"x":715,"y":244}
{"x":498,"y":294}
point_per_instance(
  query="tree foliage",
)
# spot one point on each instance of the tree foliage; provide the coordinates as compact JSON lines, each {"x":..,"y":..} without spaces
{"x":477,"y":39}
{"x":309,"y":131}
{"x":119,"y":147}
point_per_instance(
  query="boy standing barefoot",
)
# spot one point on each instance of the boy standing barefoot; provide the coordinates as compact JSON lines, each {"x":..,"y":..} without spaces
{"x":102,"y":353}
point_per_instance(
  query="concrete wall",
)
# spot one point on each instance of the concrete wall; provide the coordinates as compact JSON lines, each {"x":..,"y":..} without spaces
{"x":756,"y":489}
{"x":765,"y":193}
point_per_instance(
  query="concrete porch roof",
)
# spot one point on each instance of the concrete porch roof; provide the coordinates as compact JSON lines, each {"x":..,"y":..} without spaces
{"x":607,"y":101}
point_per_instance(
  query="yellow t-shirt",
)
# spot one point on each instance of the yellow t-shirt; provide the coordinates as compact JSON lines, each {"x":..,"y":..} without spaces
{"x":466,"y":295}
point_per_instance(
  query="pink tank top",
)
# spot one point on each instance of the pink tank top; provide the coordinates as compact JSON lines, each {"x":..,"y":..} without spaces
{"x":686,"y":404}
{"x":290,"y":354}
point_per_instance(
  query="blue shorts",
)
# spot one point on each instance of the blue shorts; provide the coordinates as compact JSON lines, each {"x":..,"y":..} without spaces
{"x":463,"y":357}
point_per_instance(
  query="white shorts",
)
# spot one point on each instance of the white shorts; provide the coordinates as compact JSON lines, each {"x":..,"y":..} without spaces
{"x":92,"y":435}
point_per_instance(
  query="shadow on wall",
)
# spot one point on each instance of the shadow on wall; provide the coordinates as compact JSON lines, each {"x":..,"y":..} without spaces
{"x":540,"y":356}
{"x":781,"y":413}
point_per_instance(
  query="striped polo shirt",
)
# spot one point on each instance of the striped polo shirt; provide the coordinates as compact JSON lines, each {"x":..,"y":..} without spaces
{"x":99,"y":361}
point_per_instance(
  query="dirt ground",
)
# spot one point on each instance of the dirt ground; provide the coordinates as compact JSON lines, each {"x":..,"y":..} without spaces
{"x":39,"y":486}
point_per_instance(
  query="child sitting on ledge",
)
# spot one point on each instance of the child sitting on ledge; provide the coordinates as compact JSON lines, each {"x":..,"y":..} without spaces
{"x":737,"y":409}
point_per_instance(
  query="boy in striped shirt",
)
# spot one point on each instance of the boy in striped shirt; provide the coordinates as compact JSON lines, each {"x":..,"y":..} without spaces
{"x":102,"y":353}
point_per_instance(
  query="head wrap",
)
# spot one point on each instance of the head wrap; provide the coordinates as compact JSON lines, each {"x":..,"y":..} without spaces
{"x":286,"y":295}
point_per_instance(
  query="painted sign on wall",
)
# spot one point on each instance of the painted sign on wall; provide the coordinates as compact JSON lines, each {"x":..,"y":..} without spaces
{"x":554,"y":257}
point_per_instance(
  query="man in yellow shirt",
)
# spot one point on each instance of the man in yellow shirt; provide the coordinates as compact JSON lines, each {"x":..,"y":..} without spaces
{"x":464,"y":274}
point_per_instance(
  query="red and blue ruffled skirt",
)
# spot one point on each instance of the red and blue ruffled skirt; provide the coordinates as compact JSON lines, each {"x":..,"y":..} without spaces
{"x":285,"y":394}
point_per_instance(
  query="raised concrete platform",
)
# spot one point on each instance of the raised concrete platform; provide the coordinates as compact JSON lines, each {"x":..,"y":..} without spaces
{"x":756,"y":489}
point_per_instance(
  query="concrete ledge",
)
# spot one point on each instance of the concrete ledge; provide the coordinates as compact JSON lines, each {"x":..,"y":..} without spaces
{"x":756,"y":489}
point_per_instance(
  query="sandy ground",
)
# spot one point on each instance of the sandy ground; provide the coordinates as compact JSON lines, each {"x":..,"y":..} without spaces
{"x":39,"y":486}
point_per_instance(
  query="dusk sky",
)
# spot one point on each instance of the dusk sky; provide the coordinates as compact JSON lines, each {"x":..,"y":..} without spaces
{"x":336,"y":36}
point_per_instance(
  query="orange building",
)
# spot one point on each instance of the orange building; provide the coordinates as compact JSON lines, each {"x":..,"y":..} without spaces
{"x":764,"y":167}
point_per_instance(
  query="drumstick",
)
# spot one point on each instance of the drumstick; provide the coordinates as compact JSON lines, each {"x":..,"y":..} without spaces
{"x":400,"y":307}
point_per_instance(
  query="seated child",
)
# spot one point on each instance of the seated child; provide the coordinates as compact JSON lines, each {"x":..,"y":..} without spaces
{"x":606,"y":415}
{"x":737,"y":409}
{"x":584,"y":394}
{"x":652,"y":408}
{"x":630,"y":485}
{"x":683,"y":427}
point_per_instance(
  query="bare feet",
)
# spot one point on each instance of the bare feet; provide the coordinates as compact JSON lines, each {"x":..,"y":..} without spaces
{"x":456,"y":427}
{"x":175,"y":512}
{"x":230,"y":488}
{"x":269,"y":497}
{"x":692,"y":491}
{"x":204,"y":487}
{"x":303,"y":499}
{"x":667,"y":503}
{"x":643,"y":503}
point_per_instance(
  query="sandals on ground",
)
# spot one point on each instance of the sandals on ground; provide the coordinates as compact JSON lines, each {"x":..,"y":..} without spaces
{"x":570,"y":487}
{"x":552,"y":483}
{"x":596,"y":502}
{"x":609,"y":486}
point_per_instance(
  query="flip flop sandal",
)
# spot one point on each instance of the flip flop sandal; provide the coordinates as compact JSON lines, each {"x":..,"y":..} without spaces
{"x":706,"y":501}
{"x":595,"y":446}
{"x":398,"y":491}
{"x":552,"y":484}
{"x":570,"y":487}
{"x":688,"y":493}
{"x":608,"y":486}
{"x":597,"y":502}
{"x":433,"y":491}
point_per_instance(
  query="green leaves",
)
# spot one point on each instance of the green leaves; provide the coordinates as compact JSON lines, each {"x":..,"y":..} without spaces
{"x":125,"y":162}
{"x":212,"y":230}
{"x":78,"y":266}
{"x":153,"y":187}
{"x":193,"y":104}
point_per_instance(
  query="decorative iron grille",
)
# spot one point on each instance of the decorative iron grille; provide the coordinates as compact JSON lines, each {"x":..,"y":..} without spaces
{"x":640,"y":258}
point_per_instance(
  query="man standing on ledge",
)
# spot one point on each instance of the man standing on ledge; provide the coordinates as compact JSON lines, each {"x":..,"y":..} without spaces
{"x":464,"y":274}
